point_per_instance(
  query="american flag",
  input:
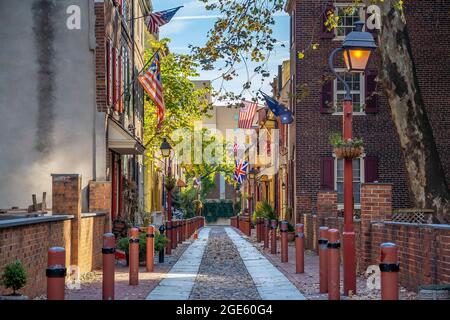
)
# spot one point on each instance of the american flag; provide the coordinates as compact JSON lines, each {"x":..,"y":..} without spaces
{"x":151,"y":81}
{"x":157,"y":19}
{"x":241,"y":170}
{"x":246,"y":114}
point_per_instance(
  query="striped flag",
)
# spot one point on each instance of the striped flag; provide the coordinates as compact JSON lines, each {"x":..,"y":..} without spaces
{"x":151,"y":81}
{"x":241,"y":170}
{"x":157,"y":19}
{"x":246,"y":114}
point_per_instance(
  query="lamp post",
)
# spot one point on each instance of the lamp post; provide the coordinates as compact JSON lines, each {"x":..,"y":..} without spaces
{"x":252,"y":177}
{"x":197,"y":185}
{"x":356,"y":48}
{"x":166,"y":149}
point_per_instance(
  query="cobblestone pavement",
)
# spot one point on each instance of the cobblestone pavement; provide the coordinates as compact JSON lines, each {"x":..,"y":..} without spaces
{"x":222,"y":273}
{"x":308,"y":282}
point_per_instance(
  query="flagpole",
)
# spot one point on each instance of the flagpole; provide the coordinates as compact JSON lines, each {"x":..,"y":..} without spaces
{"x":135,"y":78}
{"x":146,"y":15}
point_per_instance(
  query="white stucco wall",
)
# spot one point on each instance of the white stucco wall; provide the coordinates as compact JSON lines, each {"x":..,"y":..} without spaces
{"x":47,"y":98}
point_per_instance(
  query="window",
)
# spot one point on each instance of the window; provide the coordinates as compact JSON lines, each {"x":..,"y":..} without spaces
{"x":358,"y":178}
{"x":356,"y":83}
{"x":348,"y":14}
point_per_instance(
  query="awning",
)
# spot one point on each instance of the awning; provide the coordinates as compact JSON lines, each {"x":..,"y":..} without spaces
{"x":121,"y":141}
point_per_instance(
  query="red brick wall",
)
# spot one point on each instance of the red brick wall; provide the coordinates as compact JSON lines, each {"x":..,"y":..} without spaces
{"x":30,"y":244}
{"x":327,"y":204}
{"x":92,"y":230}
{"x":424,"y":250}
{"x":313,"y":128}
{"x":100,"y":196}
{"x":66,"y":189}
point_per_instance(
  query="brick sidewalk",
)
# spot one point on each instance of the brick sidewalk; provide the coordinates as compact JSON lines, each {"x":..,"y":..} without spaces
{"x":91,"y":283}
{"x":308,"y":282}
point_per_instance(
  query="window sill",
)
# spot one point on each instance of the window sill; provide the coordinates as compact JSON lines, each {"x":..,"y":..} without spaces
{"x":341,"y":207}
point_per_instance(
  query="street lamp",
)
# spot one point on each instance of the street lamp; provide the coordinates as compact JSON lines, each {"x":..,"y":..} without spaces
{"x":358,"y":46}
{"x":165,"y":148}
{"x":357,"y":49}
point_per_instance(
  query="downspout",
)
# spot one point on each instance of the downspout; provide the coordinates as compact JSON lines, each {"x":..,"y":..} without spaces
{"x":92,"y":43}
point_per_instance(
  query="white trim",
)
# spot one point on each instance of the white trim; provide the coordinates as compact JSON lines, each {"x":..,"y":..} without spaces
{"x":362,"y":177}
{"x":362,"y":13}
{"x":361,"y":92}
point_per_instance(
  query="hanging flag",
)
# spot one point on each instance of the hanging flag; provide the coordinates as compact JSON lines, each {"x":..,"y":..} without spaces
{"x":246,"y":114}
{"x":241,"y":170}
{"x":151,"y":81}
{"x":158,"y":19}
{"x":273,"y":104}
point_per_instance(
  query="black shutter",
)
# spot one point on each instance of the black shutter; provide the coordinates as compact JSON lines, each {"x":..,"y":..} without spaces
{"x":371,"y":92}
{"x":326,"y":173}
{"x":326,"y":96}
{"x":371,"y":168}
{"x":324,"y":32}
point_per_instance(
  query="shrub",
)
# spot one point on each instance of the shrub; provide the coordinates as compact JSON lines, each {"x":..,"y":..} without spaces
{"x":14,"y":276}
{"x":160,"y":243}
{"x":291,"y":228}
{"x":265,"y":210}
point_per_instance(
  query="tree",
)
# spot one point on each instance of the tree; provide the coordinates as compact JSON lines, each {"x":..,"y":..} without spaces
{"x":426,"y":177}
{"x":183,"y":102}
{"x":246,"y":28}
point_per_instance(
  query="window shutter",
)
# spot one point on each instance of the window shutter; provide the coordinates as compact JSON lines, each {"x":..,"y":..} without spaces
{"x":326,"y":97}
{"x":327,"y":173}
{"x":371,"y":168}
{"x":114,"y":82}
{"x":324,"y":32}
{"x":119,"y":87}
{"x":371,"y":92}
{"x":109,"y":64}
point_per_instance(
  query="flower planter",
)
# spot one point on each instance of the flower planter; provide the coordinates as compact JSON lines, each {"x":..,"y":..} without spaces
{"x":291,"y":236}
{"x":348,"y":152}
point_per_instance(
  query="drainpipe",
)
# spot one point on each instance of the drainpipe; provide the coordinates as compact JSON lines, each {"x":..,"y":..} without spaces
{"x":92,"y":44}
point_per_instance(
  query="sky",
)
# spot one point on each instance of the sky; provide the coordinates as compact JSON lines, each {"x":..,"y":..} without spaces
{"x":191,"y":25}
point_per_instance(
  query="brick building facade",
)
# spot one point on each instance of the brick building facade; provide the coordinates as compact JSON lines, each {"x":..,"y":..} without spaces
{"x":119,"y":30}
{"x":318,"y":114}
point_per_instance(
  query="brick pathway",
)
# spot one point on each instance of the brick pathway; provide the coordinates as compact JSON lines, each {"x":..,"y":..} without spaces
{"x":91,"y":283}
{"x":308,"y":282}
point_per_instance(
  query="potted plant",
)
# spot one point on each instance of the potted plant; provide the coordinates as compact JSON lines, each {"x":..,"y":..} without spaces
{"x":160,"y":243}
{"x":124,"y":245}
{"x":170,"y":183}
{"x":265,"y":210}
{"x":348,"y":149}
{"x":291,"y":232}
{"x":15,"y":277}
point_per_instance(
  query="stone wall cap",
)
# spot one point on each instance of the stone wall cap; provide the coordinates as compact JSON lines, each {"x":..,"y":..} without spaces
{"x":65,"y":174}
{"x":378,"y":183}
{"x":420,"y":225}
{"x":93,"y":214}
{"x":9,"y":223}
